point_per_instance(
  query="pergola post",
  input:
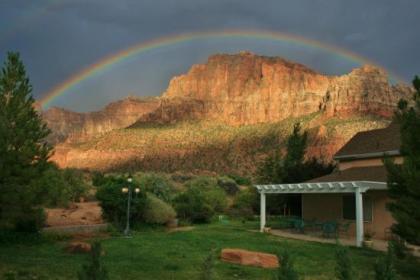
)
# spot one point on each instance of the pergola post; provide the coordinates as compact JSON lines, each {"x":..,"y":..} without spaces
{"x":359,"y":217}
{"x":262,"y":211}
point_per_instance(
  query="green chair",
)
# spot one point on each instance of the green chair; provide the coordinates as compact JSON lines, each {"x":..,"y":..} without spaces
{"x":329,"y":229}
{"x":299,"y":225}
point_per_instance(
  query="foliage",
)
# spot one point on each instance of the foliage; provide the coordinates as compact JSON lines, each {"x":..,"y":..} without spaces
{"x":22,"y":275}
{"x":157,"y":185}
{"x":243,"y":181}
{"x":98,"y":179}
{"x":343,"y":267}
{"x":404,"y":179}
{"x":292,"y":168}
{"x":114,"y":202}
{"x":385,"y":267}
{"x":59,"y":187}
{"x":158,"y":211}
{"x":286,"y":270}
{"x":193,"y":205}
{"x":399,"y":248}
{"x":245,"y":203}
{"x":94,"y":270}
{"x":24,"y":152}
{"x":228,"y":185}
{"x":207,"y":268}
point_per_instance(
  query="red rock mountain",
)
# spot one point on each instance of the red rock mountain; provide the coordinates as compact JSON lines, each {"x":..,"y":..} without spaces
{"x":233,"y":90}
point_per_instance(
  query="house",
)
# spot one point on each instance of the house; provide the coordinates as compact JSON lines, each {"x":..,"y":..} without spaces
{"x":356,"y":193}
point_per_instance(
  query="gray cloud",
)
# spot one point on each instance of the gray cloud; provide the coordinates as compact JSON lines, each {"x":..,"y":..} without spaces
{"x":58,"y":38}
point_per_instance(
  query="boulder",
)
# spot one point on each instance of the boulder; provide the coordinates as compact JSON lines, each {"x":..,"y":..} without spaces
{"x":78,"y":247}
{"x":244,"y":257}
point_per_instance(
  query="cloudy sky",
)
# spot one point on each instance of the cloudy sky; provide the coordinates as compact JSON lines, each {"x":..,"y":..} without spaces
{"x":57,"y":39}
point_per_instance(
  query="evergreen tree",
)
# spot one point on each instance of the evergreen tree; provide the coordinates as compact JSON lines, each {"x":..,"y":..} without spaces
{"x":24,"y":153}
{"x":94,"y":270}
{"x":286,"y":270}
{"x":404,"y":179}
{"x":292,"y":168}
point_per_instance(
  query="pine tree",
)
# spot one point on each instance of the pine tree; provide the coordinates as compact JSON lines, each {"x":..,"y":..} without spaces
{"x":24,"y":153}
{"x":404,"y":179}
{"x":94,"y":270}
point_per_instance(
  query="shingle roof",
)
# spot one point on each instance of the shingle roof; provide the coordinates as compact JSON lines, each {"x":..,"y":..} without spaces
{"x":372,"y":141}
{"x":373,"y":173}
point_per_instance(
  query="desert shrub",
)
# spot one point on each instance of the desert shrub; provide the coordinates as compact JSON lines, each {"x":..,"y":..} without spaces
{"x":286,"y":270}
{"x":245,"y":203}
{"x":158,"y":211}
{"x":242,"y":181}
{"x":94,"y":269}
{"x":217,"y":200}
{"x":114,"y":202}
{"x":203,"y":183}
{"x":31,"y":222}
{"x":385,"y":266}
{"x":228,"y":185}
{"x":343,"y":267}
{"x":157,"y":185}
{"x":180,"y":177}
{"x":192,"y":205}
{"x":59,"y":187}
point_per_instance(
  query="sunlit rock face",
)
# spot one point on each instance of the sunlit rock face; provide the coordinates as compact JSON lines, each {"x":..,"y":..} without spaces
{"x":74,"y":127}
{"x":246,"y":88}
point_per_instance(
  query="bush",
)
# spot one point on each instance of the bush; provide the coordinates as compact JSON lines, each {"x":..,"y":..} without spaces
{"x":228,"y":185}
{"x":157,"y":211}
{"x":286,"y":270}
{"x":343,"y":267}
{"x":94,"y":269}
{"x":157,"y":185}
{"x":385,"y":267}
{"x":203,"y":183}
{"x":245,"y":203}
{"x":114,"y":202}
{"x":59,"y":187}
{"x":399,"y":249}
{"x":240,"y":180}
{"x":31,"y":222}
{"x":192,"y":205}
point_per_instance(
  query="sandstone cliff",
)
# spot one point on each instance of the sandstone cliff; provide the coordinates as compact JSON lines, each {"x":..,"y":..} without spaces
{"x":76,"y":127}
{"x":247,"y":89}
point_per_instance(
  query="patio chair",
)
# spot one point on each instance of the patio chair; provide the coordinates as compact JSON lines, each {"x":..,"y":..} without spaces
{"x":329,"y":229}
{"x":299,"y":225}
{"x":343,"y":228}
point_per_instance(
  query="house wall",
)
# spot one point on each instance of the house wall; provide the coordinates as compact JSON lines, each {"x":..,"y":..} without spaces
{"x":328,"y":207}
{"x":365,"y":162}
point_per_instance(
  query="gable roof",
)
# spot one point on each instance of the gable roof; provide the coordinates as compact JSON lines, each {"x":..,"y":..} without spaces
{"x":372,"y":143}
{"x":371,"y":173}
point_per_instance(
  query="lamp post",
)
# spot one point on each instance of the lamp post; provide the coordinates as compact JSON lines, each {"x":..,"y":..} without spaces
{"x":128,"y":190}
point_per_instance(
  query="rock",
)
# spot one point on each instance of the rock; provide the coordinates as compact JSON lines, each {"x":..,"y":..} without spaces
{"x":244,"y":257}
{"x":78,"y":247}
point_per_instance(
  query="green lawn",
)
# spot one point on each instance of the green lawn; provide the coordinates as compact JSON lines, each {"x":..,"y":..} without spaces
{"x":156,"y":254}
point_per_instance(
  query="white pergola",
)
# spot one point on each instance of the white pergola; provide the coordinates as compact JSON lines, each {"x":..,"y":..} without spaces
{"x":356,"y":187}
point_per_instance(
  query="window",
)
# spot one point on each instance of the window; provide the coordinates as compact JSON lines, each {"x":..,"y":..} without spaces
{"x":349,"y":208}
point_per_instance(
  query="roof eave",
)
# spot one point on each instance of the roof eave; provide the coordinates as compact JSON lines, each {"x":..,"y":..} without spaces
{"x":368,"y":155}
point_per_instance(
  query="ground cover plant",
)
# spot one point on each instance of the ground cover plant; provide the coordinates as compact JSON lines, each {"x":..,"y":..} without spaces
{"x":158,"y":254}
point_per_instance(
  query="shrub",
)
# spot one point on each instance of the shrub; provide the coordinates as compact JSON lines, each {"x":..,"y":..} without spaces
{"x":286,"y":270}
{"x":384,"y":267}
{"x":245,"y":203}
{"x":228,"y":185}
{"x":343,"y":267}
{"x":207,"y":268}
{"x":399,"y":249}
{"x":157,"y":185}
{"x":157,"y":211}
{"x":192,"y":205}
{"x":31,"y":222}
{"x":75,"y":183}
{"x":114,"y":202}
{"x":98,"y":179}
{"x":94,"y":269}
{"x":243,"y":181}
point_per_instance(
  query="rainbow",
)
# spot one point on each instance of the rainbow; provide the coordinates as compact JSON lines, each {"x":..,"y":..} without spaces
{"x":125,"y":54}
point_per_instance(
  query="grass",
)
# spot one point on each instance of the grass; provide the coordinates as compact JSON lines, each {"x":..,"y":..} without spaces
{"x":157,"y":254}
